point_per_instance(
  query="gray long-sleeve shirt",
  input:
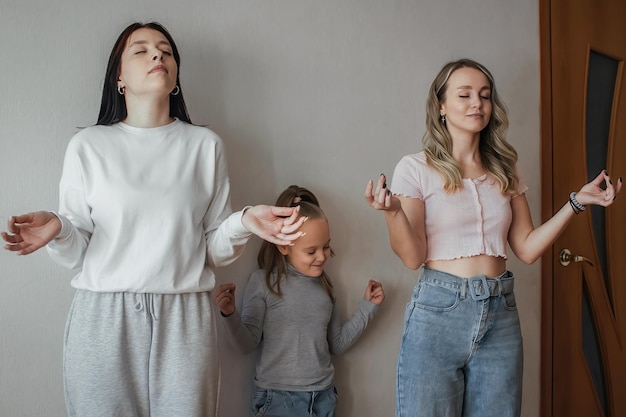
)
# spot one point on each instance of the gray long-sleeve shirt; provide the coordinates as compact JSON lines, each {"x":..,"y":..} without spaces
{"x":296,"y":333}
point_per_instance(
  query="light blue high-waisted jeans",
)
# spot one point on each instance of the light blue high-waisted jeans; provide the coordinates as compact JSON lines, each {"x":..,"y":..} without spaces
{"x":461,"y":349}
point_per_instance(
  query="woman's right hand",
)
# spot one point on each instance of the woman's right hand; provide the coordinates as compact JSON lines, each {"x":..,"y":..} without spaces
{"x":224,"y":297}
{"x":381,"y":198}
{"x":277,"y":225}
{"x":31,"y":231}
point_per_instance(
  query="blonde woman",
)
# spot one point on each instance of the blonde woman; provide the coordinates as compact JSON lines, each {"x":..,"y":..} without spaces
{"x":453,"y":208}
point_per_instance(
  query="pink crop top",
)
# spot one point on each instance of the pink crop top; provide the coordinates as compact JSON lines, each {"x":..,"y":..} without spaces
{"x":474,"y":220}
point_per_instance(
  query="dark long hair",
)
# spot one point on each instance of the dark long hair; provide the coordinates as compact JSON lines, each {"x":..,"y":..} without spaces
{"x":113,"y":105}
{"x":270,"y":259}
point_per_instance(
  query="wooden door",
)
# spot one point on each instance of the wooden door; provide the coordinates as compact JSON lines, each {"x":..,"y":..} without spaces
{"x":583,"y":132}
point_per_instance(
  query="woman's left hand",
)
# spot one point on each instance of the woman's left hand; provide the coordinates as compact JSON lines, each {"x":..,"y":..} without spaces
{"x":592,"y":193}
{"x":278,"y":225}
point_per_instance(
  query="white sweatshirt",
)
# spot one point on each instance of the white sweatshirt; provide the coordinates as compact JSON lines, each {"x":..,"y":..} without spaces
{"x":146,"y":210}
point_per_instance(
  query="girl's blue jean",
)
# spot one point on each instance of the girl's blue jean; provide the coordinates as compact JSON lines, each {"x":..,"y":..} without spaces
{"x":275,"y":403}
{"x":461,"y":349}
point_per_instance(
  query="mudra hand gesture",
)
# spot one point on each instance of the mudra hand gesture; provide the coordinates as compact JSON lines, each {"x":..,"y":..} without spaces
{"x":593,"y":193}
{"x":31,"y":231}
{"x":380,"y":197}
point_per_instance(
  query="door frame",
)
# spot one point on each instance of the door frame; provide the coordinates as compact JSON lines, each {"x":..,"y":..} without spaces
{"x":547,"y":209}
{"x":547,"y":165}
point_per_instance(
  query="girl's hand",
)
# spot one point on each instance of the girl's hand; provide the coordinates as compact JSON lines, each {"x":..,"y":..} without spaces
{"x":592,"y":193}
{"x":381,"y":197}
{"x":31,"y":231}
{"x":374,"y":292}
{"x":278,"y":225}
{"x":224,"y":297}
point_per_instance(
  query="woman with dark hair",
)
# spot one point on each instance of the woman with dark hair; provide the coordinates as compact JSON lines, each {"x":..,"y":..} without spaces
{"x":144,"y":219}
{"x":113,"y":105}
{"x":453,"y":208}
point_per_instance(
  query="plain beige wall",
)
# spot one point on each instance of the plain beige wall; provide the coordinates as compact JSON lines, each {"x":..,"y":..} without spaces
{"x":325,"y":94}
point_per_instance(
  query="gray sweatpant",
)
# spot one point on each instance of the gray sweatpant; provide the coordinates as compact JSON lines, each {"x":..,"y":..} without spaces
{"x":141,"y":355}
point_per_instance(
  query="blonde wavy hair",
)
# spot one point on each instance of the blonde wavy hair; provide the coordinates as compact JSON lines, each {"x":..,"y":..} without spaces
{"x":498,"y":157}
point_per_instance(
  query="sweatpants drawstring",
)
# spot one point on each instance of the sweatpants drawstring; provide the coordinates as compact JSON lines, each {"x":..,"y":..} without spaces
{"x":146,"y":302}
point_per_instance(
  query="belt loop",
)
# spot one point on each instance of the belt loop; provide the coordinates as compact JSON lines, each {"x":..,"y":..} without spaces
{"x":500,"y":287}
{"x":464,"y":288}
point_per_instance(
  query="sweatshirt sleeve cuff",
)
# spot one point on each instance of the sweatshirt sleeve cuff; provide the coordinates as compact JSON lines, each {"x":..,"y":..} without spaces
{"x":66,"y":227}
{"x":235,"y":224}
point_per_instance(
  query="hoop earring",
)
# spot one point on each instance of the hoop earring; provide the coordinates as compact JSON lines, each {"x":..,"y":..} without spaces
{"x":120,"y":90}
{"x":176,"y":90}
{"x":442,"y":119}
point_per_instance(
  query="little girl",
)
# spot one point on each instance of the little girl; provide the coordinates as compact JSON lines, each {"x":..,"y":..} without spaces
{"x":289,"y":311}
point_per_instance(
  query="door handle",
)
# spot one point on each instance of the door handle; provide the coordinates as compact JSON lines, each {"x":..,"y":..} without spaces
{"x":565,"y":257}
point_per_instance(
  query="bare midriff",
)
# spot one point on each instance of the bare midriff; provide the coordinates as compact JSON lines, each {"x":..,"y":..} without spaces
{"x":489,"y":266}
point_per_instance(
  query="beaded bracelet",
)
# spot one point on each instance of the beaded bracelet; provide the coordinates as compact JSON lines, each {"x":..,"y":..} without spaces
{"x":576,"y":206}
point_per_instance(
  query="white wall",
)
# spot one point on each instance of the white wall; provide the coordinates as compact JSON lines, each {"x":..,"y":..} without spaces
{"x":320,"y":93}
